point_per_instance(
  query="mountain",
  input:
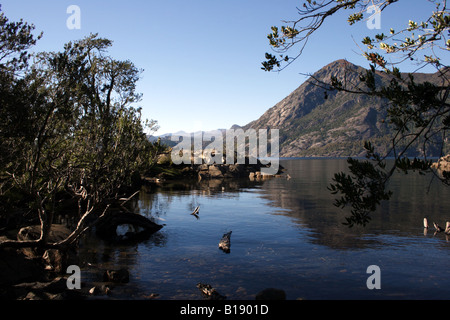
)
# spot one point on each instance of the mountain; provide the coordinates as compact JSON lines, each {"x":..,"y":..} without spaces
{"x":167,"y":137}
{"x":313,"y":122}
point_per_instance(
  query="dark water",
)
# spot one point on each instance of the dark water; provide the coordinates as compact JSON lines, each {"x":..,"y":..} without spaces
{"x":286,"y":235}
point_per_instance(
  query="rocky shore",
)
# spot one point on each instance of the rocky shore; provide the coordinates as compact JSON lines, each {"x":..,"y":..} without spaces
{"x":213,"y":171}
{"x":36,"y":274}
{"x":39,"y":274}
{"x":42,"y":274}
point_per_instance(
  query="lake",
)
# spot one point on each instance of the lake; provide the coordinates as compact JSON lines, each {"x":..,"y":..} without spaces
{"x":286,"y":234}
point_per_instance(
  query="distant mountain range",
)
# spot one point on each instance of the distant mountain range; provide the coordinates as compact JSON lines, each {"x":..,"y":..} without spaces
{"x":316,"y":123}
{"x":166,"y":138}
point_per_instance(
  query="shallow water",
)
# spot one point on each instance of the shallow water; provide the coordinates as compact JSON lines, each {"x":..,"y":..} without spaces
{"x":286,"y":234}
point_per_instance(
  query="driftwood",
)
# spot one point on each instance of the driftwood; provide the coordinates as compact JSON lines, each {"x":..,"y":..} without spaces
{"x":42,"y":242}
{"x":209,"y":292}
{"x":225,"y":242}
{"x":125,"y":200}
{"x":85,"y":223}
{"x":425,"y":223}
{"x":438,"y":228}
{"x":196,"y":212}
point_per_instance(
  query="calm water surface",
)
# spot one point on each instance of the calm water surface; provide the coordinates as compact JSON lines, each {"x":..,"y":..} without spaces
{"x":286,"y":235}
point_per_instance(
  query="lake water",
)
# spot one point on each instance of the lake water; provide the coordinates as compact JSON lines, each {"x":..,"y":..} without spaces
{"x":286,"y":234}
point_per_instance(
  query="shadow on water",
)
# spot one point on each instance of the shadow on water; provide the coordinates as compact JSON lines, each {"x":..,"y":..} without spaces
{"x":286,"y":234}
{"x":310,"y":204}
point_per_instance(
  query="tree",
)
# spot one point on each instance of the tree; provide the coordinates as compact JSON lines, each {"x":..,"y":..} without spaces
{"x":418,"y":111}
{"x":19,"y":147}
{"x":70,"y":130}
{"x":15,"y":39}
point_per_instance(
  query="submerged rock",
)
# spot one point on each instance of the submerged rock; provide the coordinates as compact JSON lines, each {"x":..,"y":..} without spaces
{"x":209,"y":292}
{"x":225,"y":242}
{"x":140,"y":227}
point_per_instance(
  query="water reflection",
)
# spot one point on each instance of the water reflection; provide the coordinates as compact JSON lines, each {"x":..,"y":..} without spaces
{"x":310,"y":204}
{"x":286,"y":234}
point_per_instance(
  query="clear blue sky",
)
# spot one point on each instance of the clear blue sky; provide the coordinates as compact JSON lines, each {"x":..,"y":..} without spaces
{"x":202,"y":58}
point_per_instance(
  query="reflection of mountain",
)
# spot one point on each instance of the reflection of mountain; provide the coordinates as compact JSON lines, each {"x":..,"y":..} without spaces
{"x":311,"y":204}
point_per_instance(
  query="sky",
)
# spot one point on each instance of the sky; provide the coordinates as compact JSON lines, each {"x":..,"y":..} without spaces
{"x":202,"y":58}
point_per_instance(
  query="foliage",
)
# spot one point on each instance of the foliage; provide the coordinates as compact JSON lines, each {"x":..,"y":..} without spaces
{"x":417,"y":111}
{"x":69,"y":127}
{"x":15,"y":39}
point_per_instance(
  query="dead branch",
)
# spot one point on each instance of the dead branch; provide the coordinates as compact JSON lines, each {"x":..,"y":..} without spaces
{"x":125,"y":200}
{"x":81,"y":229}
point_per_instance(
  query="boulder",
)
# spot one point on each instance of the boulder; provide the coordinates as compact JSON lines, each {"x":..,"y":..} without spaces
{"x":100,"y":290}
{"x":16,"y":267}
{"x":58,"y":232}
{"x":54,"y":259}
{"x":203,"y":167}
{"x":215,"y":172}
{"x":209,"y":292}
{"x":225,"y":242}
{"x":141,"y":228}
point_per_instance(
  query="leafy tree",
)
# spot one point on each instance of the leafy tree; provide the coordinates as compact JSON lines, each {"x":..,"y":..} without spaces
{"x":70,"y":129}
{"x":418,"y":111}
{"x":15,"y":39}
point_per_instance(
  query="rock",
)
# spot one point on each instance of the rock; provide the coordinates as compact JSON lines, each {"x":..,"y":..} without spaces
{"x":58,"y":232}
{"x":52,"y":290}
{"x":55,"y":260}
{"x":141,"y":227}
{"x":215,"y":172}
{"x":100,"y":290}
{"x":225,"y":242}
{"x":271,"y":294}
{"x":117,"y":276}
{"x":235,"y":171}
{"x":16,"y":267}
{"x":209,"y":292}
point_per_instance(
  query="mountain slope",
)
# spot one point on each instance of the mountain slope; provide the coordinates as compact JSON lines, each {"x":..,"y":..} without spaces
{"x":333,"y":124}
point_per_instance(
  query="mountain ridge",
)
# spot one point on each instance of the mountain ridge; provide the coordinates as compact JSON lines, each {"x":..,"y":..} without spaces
{"x":316,"y":123}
